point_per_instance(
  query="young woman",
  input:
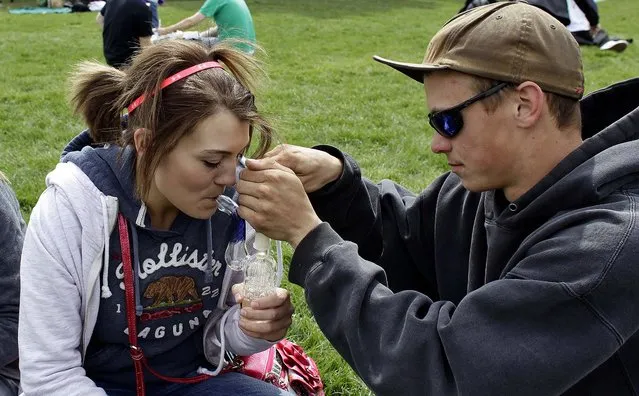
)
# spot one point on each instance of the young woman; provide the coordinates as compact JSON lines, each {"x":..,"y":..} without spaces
{"x":127,"y":234}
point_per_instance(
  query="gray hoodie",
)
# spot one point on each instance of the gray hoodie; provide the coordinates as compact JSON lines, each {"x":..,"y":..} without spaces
{"x":11,"y":235}
{"x":459,"y":293}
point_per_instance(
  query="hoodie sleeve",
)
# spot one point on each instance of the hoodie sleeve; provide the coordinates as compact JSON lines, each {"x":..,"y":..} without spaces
{"x":50,"y":327}
{"x":11,"y":236}
{"x":238,"y":342}
{"x":538,"y":331}
{"x":235,"y":341}
{"x":377,"y":217}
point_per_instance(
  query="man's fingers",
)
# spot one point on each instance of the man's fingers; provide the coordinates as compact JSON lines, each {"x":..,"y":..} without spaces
{"x":248,"y":200}
{"x":264,"y":164}
{"x":285,"y":155}
{"x":276,"y":151}
{"x":270,"y":173}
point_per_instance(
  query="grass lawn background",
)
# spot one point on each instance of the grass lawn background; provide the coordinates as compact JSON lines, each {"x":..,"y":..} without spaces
{"x":323,"y":88}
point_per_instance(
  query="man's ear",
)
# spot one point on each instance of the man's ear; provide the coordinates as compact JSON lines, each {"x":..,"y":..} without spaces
{"x":141,"y":138}
{"x":531,"y":104}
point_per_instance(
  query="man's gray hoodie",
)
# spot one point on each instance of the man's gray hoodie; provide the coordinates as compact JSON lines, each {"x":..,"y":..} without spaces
{"x":459,"y":293}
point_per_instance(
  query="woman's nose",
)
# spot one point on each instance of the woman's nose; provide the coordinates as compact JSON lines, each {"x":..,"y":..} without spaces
{"x":228,"y":174}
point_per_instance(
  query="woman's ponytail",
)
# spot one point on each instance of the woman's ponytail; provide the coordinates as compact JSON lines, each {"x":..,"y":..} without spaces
{"x":95,"y":90}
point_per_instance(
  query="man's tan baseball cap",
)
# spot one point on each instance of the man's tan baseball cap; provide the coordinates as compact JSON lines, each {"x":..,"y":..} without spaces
{"x":506,"y":41}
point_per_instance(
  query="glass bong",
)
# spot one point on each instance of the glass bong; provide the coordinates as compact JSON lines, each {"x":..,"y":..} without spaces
{"x":261,"y":271}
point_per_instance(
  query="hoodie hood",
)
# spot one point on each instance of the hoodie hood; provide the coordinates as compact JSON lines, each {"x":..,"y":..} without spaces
{"x":111,"y":169}
{"x":605,"y":160}
{"x":601,"y":166}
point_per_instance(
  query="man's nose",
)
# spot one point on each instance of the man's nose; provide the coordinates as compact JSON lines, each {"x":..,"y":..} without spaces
{"x":440,"y":144}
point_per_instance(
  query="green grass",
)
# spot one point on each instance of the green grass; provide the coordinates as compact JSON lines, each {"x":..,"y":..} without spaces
{"x":324,"y":88}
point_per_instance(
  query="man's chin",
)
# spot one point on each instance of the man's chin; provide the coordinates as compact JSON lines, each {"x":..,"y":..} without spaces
{"x":474,"y":187}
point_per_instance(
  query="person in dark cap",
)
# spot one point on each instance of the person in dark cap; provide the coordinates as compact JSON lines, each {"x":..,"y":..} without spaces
{"x":513,"y":274}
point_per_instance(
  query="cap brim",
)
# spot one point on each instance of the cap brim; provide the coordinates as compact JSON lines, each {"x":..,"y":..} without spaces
{"x":413,"y":70}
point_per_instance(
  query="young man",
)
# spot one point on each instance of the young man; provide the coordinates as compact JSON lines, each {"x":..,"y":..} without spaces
{"x":515,"y":273}
{"x":126,"y":27}
{"x":12,"y":229}
{"x":232,"y":17}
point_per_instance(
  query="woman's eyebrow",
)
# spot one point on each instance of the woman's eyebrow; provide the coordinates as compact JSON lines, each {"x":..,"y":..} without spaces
{"x":213,"y":152}
{"x":223,"y":152}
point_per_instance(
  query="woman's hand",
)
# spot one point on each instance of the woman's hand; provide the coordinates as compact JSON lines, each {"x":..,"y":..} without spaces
{"x":268,"y":317}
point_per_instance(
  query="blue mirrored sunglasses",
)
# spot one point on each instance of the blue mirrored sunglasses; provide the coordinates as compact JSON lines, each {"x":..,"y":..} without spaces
{"x":449,"y":122}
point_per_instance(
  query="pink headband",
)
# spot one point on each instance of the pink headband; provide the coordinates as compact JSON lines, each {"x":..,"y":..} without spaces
{"x":176,"y":77}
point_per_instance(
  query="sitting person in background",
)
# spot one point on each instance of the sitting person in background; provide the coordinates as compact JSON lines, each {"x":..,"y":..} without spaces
{"x":580,"y":16}
{"x":585,"y":28}
{"x":126,"y":27}
{"x":232,"y":18}
{"x":11,"y":234}
{"x":155,"y":17}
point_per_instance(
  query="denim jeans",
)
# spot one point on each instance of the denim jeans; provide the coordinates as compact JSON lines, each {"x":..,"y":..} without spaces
{"x":225,"y":384}
{"x":155,"y":19}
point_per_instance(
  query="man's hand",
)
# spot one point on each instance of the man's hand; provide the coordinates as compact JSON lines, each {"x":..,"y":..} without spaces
{"x":267,"y":318}
{"x":272,"y":199}
{"x":162,"y":31}
{"x":315,"y":168}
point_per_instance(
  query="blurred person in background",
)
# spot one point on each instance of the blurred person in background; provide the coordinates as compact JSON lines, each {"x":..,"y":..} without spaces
{"x":232,"y":18}
{"x":12,"y":228}
{"x":127,"y":26}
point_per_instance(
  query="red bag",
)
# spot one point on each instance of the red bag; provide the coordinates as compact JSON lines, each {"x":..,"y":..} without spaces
{"x":284,"y":365}
{"x":265,"y":366}
{"x":303,"y":374}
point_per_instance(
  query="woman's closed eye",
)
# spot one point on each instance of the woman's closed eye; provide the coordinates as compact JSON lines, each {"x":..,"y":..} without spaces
{"x":211,"y":165}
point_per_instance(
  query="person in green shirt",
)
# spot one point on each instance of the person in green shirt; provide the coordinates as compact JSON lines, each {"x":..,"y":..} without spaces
{"x":232,"y":18}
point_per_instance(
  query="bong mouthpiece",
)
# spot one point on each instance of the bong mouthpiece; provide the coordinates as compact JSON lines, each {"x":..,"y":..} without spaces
{"x":225,"y":204}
